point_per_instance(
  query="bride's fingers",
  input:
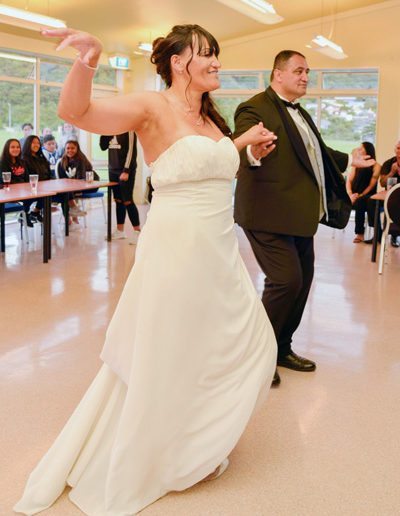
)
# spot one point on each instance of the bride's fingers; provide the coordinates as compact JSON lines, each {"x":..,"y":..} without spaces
{"x":64,"y":43}
{"x":58,"y":33}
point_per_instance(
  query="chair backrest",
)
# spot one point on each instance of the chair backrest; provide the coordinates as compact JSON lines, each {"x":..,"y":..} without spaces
{"x":392,"y":205}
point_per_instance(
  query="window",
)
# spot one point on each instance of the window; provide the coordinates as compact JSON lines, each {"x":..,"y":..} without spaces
{"x":16,"y":108}
{"x":342,"y":103}
{"x":24,"y":79}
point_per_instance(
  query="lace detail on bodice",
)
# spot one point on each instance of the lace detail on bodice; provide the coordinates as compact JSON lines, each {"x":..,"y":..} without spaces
{"x":195,"y":158}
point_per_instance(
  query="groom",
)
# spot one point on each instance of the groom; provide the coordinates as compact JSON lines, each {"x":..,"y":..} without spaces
{"x":281,"y":198}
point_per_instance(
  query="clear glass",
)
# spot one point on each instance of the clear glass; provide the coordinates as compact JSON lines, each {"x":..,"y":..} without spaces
{"x":89,"y":176}
{"x":391,"y":181}
{"x":6,"y":179}
{"x":33,"y":179}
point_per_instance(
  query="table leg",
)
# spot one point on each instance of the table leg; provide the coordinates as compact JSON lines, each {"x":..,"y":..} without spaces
{"x":66,"y":215}
{"x":3,"y":227}
{"x":109,"y":213}
{"x":45,"y":231}
{"x":49,"y":227}
{"x":375,"y":238}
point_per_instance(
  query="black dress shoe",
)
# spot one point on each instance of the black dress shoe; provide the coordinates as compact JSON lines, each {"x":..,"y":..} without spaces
{"x":293,"y":361}
{"x":394,"y":242}
{"x":277,"y":379}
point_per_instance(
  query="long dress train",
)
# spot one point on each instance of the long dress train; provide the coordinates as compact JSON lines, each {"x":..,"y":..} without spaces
{"x":188,"y":354}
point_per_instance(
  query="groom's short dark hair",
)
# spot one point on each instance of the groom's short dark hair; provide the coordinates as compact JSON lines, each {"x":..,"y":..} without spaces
{"x":282,"y":58}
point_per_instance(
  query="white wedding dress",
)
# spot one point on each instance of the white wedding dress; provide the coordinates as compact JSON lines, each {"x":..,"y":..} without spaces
{"x":188,"y":354}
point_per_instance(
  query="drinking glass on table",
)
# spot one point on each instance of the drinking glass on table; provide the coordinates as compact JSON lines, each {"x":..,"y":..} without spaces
{"x":89,"y":176}
{"x":391,"y":181}
{"x":33,"y":179}
{"x":6,"y":180}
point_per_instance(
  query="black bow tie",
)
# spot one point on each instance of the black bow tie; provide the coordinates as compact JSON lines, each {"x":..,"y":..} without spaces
{"x":290,"y":104}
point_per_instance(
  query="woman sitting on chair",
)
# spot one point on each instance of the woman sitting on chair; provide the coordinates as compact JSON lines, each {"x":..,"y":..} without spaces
{"x":11,"y":161}
{"x":73,"y":165}
{"x":360,"y":185}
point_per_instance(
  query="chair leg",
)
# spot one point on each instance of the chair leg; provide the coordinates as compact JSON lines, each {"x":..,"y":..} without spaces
{"x":383,"y":249}
{"x":104,"y":210}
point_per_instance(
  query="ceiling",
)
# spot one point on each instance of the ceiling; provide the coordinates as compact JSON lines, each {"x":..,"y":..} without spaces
{"x":121,"y":24}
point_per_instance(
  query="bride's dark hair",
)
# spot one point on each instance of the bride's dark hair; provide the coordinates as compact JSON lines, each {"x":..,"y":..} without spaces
{"x":180,"y":38}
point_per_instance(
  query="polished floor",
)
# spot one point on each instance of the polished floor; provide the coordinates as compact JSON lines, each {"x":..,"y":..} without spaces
{"x":325,"y":444}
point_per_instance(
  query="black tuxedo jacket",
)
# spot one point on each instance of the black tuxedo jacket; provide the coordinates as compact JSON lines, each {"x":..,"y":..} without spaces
{"x":282,"y":196}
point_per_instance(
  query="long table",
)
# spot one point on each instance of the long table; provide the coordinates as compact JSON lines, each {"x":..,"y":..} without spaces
{"x":47,"y":189}
{"x":22,"y":192}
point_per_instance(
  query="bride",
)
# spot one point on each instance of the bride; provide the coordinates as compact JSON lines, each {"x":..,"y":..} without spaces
{"x":189,"y":352}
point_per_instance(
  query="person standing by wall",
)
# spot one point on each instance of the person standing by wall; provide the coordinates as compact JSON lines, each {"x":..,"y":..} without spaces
{"x":122,"y":154}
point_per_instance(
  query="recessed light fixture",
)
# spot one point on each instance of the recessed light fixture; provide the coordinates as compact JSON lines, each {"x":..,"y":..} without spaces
{"x":28,"y":19}
{"x":259,"y":10}
{"x":327,"y":47}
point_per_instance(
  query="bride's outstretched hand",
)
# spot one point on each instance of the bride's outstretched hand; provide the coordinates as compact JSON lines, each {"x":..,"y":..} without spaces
{"x":260,"y":138}
{"x":89,"y":47}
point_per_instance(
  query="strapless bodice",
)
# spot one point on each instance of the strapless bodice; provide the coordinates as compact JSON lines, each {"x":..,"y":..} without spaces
{"x":195,"y":158}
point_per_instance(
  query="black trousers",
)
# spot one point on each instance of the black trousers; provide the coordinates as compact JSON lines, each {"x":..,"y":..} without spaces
{"x":123,"y":193}
{"x":288,"y":264}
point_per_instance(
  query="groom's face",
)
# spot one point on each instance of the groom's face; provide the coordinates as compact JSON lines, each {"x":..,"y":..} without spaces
{"x":293,"y":77}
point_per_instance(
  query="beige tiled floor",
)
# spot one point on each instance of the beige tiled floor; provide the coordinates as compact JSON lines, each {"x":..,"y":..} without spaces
{"x":326,"y":443}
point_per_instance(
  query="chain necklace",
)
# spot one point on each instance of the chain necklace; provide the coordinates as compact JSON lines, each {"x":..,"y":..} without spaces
{"x":189,"y":112}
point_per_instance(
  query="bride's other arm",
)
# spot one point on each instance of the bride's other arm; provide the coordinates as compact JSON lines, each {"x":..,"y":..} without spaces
{"x":109,"y":116}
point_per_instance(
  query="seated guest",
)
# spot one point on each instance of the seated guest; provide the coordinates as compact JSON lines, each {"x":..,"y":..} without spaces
{"x":360,"y":185}
{"x":11,"y":161}
{"x":391,"y":168}
{"x":68,"y":133}
{"x":27,"y":130}
{"x":35,"y":163}
{"x":46,"y":132}
{"x":50,"y":152}
{"x":74,"y":165}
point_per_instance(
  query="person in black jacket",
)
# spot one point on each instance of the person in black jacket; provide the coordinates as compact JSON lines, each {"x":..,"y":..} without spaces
{"x":282,"y":197}
{"x":35,"y":163}
{"x":122,"y":168}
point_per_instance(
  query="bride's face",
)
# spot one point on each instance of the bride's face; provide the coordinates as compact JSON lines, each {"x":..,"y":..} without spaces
{"x":203,"y":67}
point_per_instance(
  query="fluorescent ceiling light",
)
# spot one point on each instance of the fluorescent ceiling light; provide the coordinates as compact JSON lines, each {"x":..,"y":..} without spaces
{"x":327,"y":47}
{"x":28,"y":19}
{"x":145,"y":47}
{"x":259,"y":10}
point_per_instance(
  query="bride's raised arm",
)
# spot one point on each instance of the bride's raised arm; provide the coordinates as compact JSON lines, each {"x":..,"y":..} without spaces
{"x":114,"y":115}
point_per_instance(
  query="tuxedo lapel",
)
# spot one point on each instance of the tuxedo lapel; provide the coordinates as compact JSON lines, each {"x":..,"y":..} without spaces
{"x":292,"y":131}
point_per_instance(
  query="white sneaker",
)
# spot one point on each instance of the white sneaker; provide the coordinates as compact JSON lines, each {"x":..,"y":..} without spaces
{"x":135,"y":238}
{"x":118,"y":235}
{"x":77,"y":212}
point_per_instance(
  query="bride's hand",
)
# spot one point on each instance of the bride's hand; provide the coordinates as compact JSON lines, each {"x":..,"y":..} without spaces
{"x":89,"y":47}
